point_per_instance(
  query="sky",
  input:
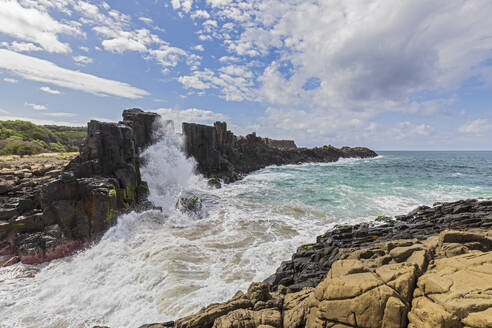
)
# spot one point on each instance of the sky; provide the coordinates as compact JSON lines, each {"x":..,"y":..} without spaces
{"x":406,"y":75}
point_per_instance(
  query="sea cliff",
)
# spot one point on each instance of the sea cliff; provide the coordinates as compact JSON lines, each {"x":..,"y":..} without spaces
{"x":47,"y":213}
{"x":222,"y":155}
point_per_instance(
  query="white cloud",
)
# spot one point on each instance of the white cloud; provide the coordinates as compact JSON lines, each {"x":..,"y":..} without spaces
{"x":199,"y":47}
{"x":60,"y":114}
{"x":201,"y":14}
{"x":234,"y":82}
{"x":21,"y":46}
{"x":10,"y":80}
{"x":41,"y":70}
{"x":224,"y":59}
{"x":370,"y":56}
{"x":404,"y":130}
{"x":49,"y":90}
{"x":82,"y":60}
{"x":146,"y":20}
{"x":83,"y":48}
{"x":3,"y":111}
{"x":34,"y":25}
{"x":167,"y":56}
{"x":476,"y":127}
{"x":142,"y":40}
{"x":184,"y":5}
{"x":35,"y":106}
{"x":191,"y":115}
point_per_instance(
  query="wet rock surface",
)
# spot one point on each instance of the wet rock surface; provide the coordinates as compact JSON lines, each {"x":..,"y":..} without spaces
{"x":221,"y":154}
{"x":430,"y":273}
{"x":64,"y":207}
{"x":310,"y":264}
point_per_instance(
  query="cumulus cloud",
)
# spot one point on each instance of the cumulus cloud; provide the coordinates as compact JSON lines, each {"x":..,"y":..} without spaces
{"x":234,"y":82}
{"x":35,"y":106}
{"x":370,"y":55}
{"x":34,"y":25}
{"x":200,"y":14}
{"x":21,"y":46}
{"x":41,"y":70}
{"x":49,"y":90}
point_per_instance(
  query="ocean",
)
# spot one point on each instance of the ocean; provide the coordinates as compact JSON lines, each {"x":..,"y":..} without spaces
{"x":157,"y":266}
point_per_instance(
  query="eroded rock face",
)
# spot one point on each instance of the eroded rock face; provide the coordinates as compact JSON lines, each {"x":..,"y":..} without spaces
{"x":143,"y":126}
{"x":456,"y":290}
{"x":221,"y":154}
{"x":434,"y":282}
{"x":83,"y":200}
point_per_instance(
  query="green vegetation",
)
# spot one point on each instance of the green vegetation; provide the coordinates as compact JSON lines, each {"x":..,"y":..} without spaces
{"x":25,"y":138}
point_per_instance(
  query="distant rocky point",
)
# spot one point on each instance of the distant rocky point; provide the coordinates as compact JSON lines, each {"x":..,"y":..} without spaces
{"x":221,"y":154}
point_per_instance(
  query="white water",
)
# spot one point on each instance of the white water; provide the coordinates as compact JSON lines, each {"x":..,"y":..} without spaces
{"x":158,"y":266}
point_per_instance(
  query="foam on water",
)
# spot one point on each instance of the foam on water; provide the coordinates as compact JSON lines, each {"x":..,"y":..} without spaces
{"x":157,"y":266}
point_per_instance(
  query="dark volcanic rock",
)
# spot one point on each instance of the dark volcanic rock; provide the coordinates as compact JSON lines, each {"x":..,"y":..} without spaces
{"x":142,"y":124}
{"x":84,"y":199}
{"x":310,"y":264}
{"x":221,"y":154}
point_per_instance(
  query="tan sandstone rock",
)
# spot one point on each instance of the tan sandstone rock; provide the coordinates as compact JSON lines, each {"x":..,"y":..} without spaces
{"x":444,"y":281}
{"x":456,"y":291}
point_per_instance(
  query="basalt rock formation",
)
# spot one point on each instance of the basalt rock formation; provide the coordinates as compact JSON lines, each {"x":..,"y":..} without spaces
{"x":416,"y":270}
{"x":221,"y":154}
{"x":80,"y":203}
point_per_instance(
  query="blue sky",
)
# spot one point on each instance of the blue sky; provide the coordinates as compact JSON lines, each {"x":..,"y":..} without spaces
{"x":379,"y":73}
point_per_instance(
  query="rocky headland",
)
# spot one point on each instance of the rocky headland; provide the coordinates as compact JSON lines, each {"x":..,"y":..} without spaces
{"x":429,"y":268}
{"x":222,"y":155}
{"x":49,"y":210}
{"x":52,"y":207}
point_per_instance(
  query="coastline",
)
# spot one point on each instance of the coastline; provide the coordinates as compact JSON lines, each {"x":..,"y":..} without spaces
{"x":386,"y":273}
{"x":290,"y":296}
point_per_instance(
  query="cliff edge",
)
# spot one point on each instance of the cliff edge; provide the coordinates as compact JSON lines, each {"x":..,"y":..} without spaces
{"x":221,"y":154}
{"x":61,"y":211}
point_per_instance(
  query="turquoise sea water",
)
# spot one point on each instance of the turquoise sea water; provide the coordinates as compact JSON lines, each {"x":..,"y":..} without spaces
{"x":158,"y":266}
{"x":393,"y":183}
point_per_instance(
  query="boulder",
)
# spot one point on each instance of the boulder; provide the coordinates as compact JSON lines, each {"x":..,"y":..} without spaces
{"x":214,"y":182}
{"x":190,"y":205}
